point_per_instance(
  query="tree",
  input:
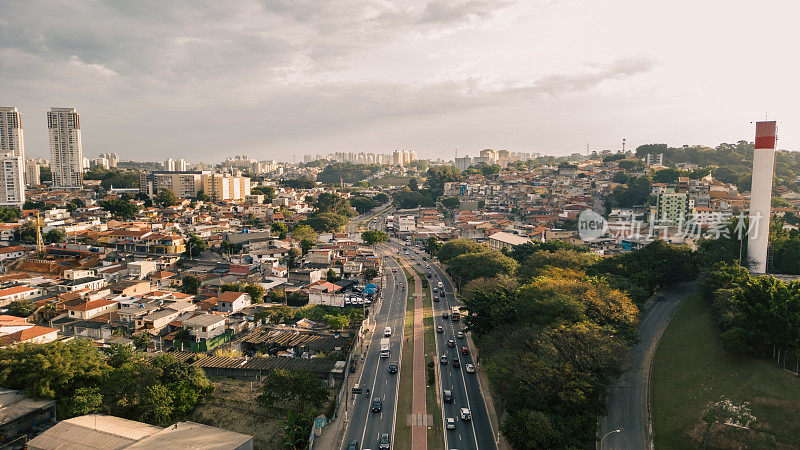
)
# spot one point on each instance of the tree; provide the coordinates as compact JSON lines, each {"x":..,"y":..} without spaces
{"x":362,"y":204}
{"x":195,"y":246}
{"x":306,"y":245}
{"x":301,"y":232}
{"x":141,"y":340}
{"x":203,"y":197}
{"x":256,"y":292}
{"x":165,"y":198}
{"x":489,"y":263}
{"x":229,"y":248}
{"x":439,"y":175}
{"x":267,"y":191}
{"x":190,"y":285}
{"x":291,"y":258}
{"x":451,"y":202}
{"x":381,"y":198}
{"x":432,"y":245}
{"x":141,"y":196}
{"x":121,"y":209}
{"x":21,"y":308}
{"x":296,"y":429}
{"x":296,"y":390}
{"x":280,"y":229}
{"x":54,"y":236}
{"x":332,"y":276}
{"x":370,"y":273}
{"x":457,"y":247}
{"x":325,"y":222}
{"x":85,"y":400}
{"x":372,"y":237}
{"x":333,"y":203}
{"x":9,"y":214}
{"x":413,"y":185}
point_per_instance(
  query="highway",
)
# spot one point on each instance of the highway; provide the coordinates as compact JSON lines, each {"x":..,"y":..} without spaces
{"x":476,"y":433}
{"x":365,"y":426}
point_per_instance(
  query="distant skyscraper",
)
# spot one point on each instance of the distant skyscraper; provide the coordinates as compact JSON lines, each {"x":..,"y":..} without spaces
{"x":169,"y":165}
{"x":11,"y":131}
{"x":66,"y":153}
{"x":32,"y":172}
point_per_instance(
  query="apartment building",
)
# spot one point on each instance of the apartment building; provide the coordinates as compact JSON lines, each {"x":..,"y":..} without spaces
{"x":66,"y":153}
{"x":224,"y":187}
{"x":12,"y":180}
{"x":184,"y":184}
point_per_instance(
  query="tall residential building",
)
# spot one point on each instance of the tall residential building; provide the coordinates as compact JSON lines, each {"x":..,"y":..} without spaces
{"x":66,"y":154}
{"x":169,"y":165}
{"x":11,"y":131}
{"x":12,"y":180}
{"x":32,"y":172}
{"x":112,"y":158}
{"x":222,"y":187}
{"x":673,"y":209}
{"x":183,"y":184}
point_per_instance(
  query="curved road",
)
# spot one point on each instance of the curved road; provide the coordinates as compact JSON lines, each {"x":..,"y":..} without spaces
{"x":628,"y":397}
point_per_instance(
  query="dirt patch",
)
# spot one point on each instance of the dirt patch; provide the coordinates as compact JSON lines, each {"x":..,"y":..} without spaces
{"x":233,"y":407}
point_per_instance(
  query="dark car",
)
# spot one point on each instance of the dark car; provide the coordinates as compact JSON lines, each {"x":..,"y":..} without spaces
{"x":383,"y":442}
{"x":436,"y":299}
{"x":353,"y":445}
{"x":448,"y":396}
{"x":424,"y":258}
{"x":443,"y":359}
{"x":445,"y":315}
{"x":456,"y":364}
{"x":440,"y":329}
{"x":428,"y":275}
{"x":377,"y":405}
{"x":392,"y":368}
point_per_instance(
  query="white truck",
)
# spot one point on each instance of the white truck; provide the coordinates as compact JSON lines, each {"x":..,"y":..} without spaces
{"x":385,"y":348}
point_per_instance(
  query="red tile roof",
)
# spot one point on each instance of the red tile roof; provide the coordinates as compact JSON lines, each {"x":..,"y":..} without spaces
{"x":25,"y":335}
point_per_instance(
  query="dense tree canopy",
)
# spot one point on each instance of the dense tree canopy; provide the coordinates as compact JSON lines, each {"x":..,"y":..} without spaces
{"x":457,"y":247}
{"x":334,"y":174}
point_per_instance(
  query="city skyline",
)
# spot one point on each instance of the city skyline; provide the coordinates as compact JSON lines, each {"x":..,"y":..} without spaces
{"x":281,"y":81}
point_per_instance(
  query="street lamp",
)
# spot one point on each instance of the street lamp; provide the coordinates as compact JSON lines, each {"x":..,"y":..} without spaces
{"x":606,"y":435}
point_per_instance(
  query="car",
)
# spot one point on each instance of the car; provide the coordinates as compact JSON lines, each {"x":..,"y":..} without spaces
{"x":428,"y":266}
{"x":447,"y":394}
{"x":394,"y":270}
{"x":424,"y":258}
{"x":392,"y":367}
{"x":436,"y":299}
{"x":427,"y":274}
{"x":460,"y":335}
{"x":383,"y":442}
{"x":456,"y":364}
{"x":465,"y":415}
{"x":470,"y":368}
{"x":443,"y":360}
{"x":353,"y":445}
{"x":439,"y":329}
{"x":377,"y":405}
{"x":445,"y":315}
{"x":434,"y":289}
{"x":451,"y":343}
{"x":464,"y":351}
{"x":451,"y":423}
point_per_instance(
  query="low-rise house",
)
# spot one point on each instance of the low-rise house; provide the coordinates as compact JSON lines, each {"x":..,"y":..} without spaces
{"x":15,"y":252}
{"x":32,"y":335}
{"x":233,"y":301}
{"x":81,"y":309}
{"x":11,"y":324}
{"x":14,"y":293}
{"x":130,"y":288}
{"x":205,"y":326}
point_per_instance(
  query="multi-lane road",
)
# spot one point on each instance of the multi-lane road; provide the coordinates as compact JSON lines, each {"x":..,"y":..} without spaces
{"x":365,"y":426}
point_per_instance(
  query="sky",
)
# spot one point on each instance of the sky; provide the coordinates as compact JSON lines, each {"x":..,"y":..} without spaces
{"x":205,"y":79}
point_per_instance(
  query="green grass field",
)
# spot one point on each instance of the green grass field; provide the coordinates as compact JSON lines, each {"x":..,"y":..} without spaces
{"x":691,"y":370}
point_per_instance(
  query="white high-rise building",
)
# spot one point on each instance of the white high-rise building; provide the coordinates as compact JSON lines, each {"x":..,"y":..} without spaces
{"x":66,"y":153}
{"x":169,"y":165}
{"x":11,"y":131}
{"x":32,"y":172}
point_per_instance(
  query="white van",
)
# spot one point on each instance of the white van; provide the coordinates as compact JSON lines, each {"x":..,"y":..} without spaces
{"x":387,"y":332}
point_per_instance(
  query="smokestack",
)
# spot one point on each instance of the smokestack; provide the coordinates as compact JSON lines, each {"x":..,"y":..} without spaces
{"x":761,"y":195}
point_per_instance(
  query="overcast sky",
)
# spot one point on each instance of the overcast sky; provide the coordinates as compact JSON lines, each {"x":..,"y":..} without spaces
{"x":204,"y":80}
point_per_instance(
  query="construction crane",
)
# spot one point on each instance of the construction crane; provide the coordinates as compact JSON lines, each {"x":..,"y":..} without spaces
{"x":39,"y":240}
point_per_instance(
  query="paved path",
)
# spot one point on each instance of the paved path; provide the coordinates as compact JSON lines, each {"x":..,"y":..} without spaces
{"x":628,"y":397}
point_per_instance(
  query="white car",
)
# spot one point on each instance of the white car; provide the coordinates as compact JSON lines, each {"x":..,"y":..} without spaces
{"x":451,"y":423}
{"x":465,"y":415}
{"x":470,"y":368}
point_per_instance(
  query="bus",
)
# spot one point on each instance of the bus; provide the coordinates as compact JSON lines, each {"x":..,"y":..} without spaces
{"x":455,"y":314}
